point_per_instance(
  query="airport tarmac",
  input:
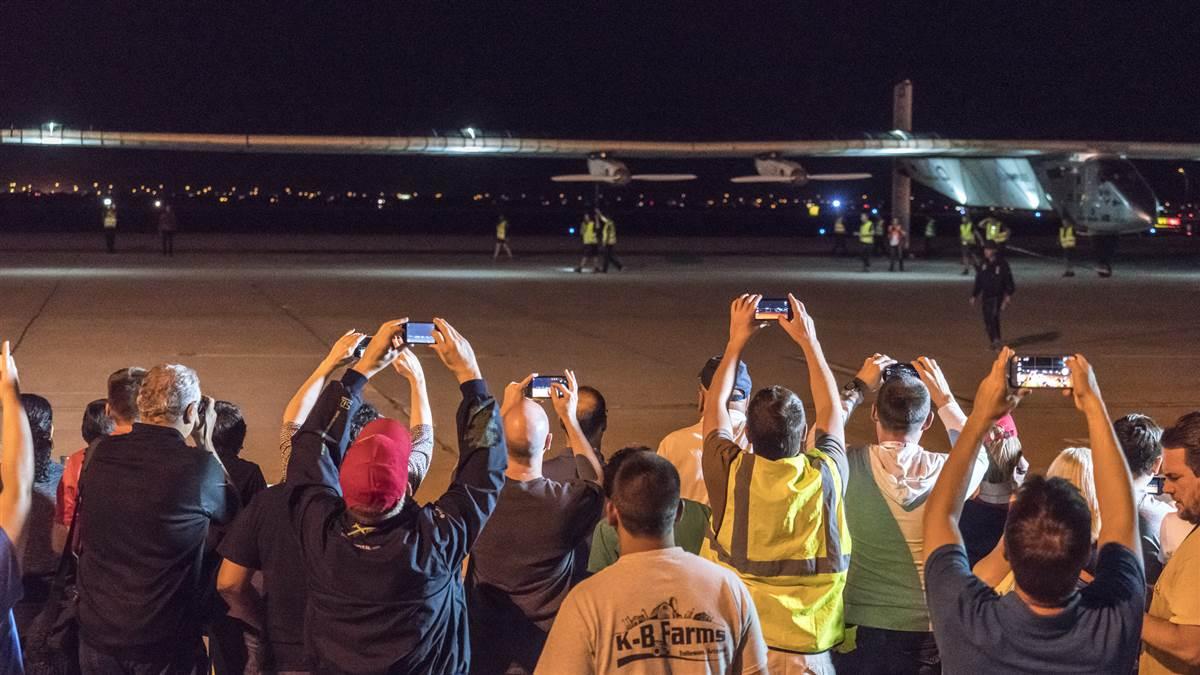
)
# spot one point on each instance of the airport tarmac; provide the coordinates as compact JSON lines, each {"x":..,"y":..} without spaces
{"x":254,"y":322}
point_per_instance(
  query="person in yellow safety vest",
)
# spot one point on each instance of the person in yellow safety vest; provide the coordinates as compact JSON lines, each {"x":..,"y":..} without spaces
{"x":608,"y":238}
{"x":839,"y":236}
{"x":591,"y":244}
{"x":866,"y":240}
{"x":1066,"y":239}
{"x":110,"y":225}
{"x":777,"y":514}
{"x":501,"y":239}
{"x":930,"y":235}
{"x":967,"y":242}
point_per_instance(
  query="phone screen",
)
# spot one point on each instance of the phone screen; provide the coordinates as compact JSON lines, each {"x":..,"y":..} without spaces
{"x":1039,"y":372}
{"x":773,"y":308}
{"x":1156,"y":485}
{"x":539,"y":387}
{"x":418,"y":333}
{"x":899,"y":369}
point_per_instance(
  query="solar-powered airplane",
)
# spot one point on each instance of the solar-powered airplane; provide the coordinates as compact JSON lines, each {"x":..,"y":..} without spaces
{"x":1091,"y":183}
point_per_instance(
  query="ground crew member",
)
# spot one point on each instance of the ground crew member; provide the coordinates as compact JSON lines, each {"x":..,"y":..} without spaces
{"x":166,"y":229}
{"x":839,"y":236}
{"x":501,"y":239}
{"x":994,"y":288}
{"x":880,"y":245}
{"x":1066,"y":239}
{"x":866,"y":240}
{"x":897,"y":241}
{"x":590,"y":243}
{"x":930,"y":233}
{"x":966,"y":241}
{"x":608,"y":237}
{"x":110,"y":225}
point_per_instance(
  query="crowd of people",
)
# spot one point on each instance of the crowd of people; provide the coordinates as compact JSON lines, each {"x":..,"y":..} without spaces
{"x":756,"y":540}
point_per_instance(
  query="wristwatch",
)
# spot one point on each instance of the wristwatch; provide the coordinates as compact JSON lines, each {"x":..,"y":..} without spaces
{"x":854,"y":390}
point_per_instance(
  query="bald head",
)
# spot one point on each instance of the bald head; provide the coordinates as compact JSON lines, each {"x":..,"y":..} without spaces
{"x":526,"y":429}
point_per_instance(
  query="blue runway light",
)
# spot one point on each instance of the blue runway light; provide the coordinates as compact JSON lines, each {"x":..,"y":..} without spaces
{"x":570,"y":230}
{"x":1154,"y":230}
{"x":874,"y":212}
{"x":1037,"y":214}
{"x":837,"y":203}
{"x":821,"y":232}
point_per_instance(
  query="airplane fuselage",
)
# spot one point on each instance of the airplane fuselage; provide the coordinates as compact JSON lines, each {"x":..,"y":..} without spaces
{"x":1102,"y":196}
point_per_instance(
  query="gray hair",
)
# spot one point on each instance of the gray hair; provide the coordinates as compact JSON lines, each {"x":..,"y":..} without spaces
{"x":167,"y":391}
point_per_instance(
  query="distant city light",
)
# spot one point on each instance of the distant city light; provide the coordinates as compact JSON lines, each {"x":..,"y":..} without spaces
{"x":108,"y":201}
{"x":158,"y":203}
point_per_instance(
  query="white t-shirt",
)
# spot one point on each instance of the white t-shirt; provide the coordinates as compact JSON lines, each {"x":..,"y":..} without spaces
{"x":664,"y":611}
{"x":684,"y":447}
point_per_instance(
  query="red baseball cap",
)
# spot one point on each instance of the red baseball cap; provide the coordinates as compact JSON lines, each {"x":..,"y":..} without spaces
{"x":1008,"y":425}
{"x":374,"y":474}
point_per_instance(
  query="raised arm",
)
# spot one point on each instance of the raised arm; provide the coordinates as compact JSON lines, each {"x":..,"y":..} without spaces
{"x":318,"y":447}
{"x":566,"y":401}
{"x":16,"y":465}
{"x":944,"y":507}
{"x":306,"y":396}
{"x":475,"y":487}
{"x":420,"y":418}
{"x":1114,"y":486}
{"x":742,"y":327}
{"x":829,"y":419}
{"x":868,"y":379}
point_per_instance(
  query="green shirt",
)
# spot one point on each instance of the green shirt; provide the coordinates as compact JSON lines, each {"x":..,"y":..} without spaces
{"x":689,"y":534}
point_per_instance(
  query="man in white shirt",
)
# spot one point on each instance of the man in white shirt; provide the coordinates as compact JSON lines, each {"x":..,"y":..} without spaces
{"x":658,"y":608}
{"x":684,"y":447}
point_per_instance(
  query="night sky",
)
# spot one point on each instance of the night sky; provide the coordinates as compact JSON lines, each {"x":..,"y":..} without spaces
{"x":652,"y":70}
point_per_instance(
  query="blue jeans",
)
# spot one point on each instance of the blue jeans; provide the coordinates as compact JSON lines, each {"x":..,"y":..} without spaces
{"x":181,"y":661}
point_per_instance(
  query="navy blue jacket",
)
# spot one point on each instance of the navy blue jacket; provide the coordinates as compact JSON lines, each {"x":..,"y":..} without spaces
{"x":389,"y":598}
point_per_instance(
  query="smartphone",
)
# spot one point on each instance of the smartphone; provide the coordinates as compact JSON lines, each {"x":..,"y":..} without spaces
{"x":773,"y":308}
{"x":539,"y":387}
{"x":1156,"y":485}
{"x":361,"y":346}
{"x":899,"y":369}
{"x":1039,"y":372}
{"x":419,"y":333}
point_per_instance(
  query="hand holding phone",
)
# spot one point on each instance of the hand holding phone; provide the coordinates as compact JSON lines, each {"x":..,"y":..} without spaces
{"x":542,"y":386}
{"x":1039,"y":372}
{"x":418,"y":333}
{"x":770,"y":309}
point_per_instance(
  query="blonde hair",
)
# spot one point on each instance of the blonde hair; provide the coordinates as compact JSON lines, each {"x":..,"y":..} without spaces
{"x":1074,"y":465}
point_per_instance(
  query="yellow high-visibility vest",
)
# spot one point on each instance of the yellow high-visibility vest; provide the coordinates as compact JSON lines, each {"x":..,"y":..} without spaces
{"x":589,"y":231}
{"x":784,"y":534}
{"x":866,"y":233}
{"x":839,"y":227}
{"x":966,"y":233}
{"x":1066,"y":236}
{"x":110,"y":219}
{"x":608,"y":231}
{"x":502,"y":229}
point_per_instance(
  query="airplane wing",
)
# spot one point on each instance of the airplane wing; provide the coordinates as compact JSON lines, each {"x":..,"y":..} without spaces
{"x":575,"y":148}
{"x":762,"y":179}
{"x":663,"y":177}
{"x":838,"y":176}
{"x":585,"y":178}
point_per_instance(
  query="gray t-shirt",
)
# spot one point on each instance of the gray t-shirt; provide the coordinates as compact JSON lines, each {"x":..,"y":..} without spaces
{"x":978,"y":631}
{"x":524,"y":564}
